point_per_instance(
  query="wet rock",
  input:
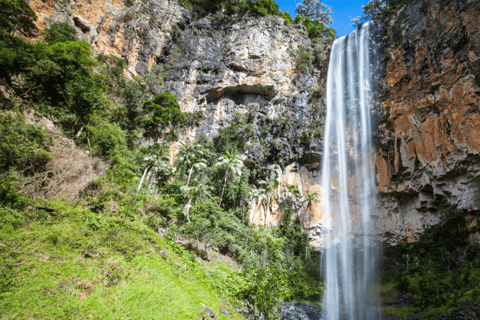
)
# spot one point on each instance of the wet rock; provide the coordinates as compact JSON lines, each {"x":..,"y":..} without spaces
{"x":300,"y":311}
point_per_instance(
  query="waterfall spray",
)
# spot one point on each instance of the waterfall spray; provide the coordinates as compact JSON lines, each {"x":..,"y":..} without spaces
{"x":350,"y":254}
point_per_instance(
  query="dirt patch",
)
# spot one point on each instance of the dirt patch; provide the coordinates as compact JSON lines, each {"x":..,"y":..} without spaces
{"x":69,"y":173}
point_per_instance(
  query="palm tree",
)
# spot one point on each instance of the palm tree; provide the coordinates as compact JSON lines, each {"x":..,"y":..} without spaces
{"x":269,"y":192}
{"x":310,"y":198}
{"x":190,"y":154}
{"x":292,"y":192}
{"x":233,"y":163}
{"x":155,"y":162}
{"x":254,"y":194}
{"x":199,"y":190}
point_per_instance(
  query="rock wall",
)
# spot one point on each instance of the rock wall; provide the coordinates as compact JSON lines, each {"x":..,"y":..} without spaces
{"x":136,"y":33}
{"x":429,"y":142}
{"x":222,"y":67}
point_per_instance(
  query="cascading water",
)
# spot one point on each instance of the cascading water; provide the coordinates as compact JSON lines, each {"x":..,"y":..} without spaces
{"x":350,"y":254}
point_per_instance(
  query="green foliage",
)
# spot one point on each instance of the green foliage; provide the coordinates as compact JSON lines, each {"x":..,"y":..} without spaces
{"x":432,"y":270}
{"x":108,"y":138}
{"x":377,"y":10}
{"x":60,"y":32}
{"x":17,"y":17}
{"x":63,"y":82}
{"x":22,"y":146}
{"x":315,"y":28}
{"x":303,"y":58}
{"x":162,"y":111}
{"x":112,"y":68}
{"x":260,"y":7}
{"x":235,"y":136}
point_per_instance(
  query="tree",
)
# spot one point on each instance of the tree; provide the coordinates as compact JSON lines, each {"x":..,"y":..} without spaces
{"x":190,"y":154}
{"x":310,"y":198}
{"x":198,"y":190}
{"x":158,"y":162}
{"x":254,"y":194}
{"x":269,"y":192}
{"x":314,"y":9}
{"x":232,"y":163}
{"x":60,"y":32}
{"x":162,"y":111}
{"x":16,"y":16}
{"x":376,"y":9}
{"x":292,"y":192}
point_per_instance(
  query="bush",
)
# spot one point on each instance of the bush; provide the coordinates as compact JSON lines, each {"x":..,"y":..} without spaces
{"x":162,"y":111}
{"x":60,"y":32}
{"x":22,"y":146}
{"x":303,"y":58}
{"x":108,"y":139}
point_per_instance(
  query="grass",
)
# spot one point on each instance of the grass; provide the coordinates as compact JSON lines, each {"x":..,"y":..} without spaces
{"x":74,"y":264}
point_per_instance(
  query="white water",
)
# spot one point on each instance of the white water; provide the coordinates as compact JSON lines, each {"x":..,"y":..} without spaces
{"x":349,"y":255}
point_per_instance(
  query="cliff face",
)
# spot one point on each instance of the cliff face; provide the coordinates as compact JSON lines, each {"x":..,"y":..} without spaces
{"x":231,"y":67}
{"x":136,"y":33}
{"x":223,"y":68}
{"x":428,"y":146}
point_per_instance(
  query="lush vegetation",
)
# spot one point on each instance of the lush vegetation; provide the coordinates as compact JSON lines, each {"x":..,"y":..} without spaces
{"x":315,"y":9}
{"x":260,"y":7}
{"x":98,"y":257}
{"x":377,"y":10}
{"x":440,"y":270}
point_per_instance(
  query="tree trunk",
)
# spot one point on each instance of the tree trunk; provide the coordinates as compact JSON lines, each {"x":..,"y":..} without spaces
{"x":89,"y":147}
{"x":223,"y":190}
{"x":189,"y":175}
{"x":187,"y":209}
{"x":141,"y":180}
{"x":266,"y":214}
{"x":251,"y":223}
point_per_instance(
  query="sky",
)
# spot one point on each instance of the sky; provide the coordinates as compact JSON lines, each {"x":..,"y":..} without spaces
{"x":343,"y":12}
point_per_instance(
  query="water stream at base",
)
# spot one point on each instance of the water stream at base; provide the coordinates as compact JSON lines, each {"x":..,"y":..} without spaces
{"x":350,"y":255}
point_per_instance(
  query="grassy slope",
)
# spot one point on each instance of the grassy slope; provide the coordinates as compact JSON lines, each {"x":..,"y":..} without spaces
{"x":46,"y":270}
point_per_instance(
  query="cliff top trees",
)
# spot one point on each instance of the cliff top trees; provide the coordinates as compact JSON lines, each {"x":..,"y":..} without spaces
{"x":376,"y":9}
{"x":314,"y":9}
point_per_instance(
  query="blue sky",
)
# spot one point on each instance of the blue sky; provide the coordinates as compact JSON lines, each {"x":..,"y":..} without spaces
{"x":343,"y":12}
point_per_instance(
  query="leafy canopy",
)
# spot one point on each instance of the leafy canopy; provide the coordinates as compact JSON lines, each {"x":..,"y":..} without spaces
{"x":163,"y":111}
{"x":315,"y":9}
{"x":16,"y":17}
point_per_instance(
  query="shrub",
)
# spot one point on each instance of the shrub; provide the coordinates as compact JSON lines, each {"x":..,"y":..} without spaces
{"x":107,"y":138}
{"x":22,"y":146}
{"x":303,"y":58}
{"x":60,"y":32}
{"x":162,"y":111}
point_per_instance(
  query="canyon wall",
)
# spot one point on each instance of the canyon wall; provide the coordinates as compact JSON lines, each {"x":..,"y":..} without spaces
{"x":244,"y":68}
{"x":428,"y":143}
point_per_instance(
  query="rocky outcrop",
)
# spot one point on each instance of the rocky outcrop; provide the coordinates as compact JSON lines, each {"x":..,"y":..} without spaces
{"x":245,"y":65}
{"x":428,"y":147}
{"x":135,"y":32}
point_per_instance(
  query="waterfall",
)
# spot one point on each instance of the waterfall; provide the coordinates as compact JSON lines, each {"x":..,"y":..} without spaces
{"x":349,"y":253}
